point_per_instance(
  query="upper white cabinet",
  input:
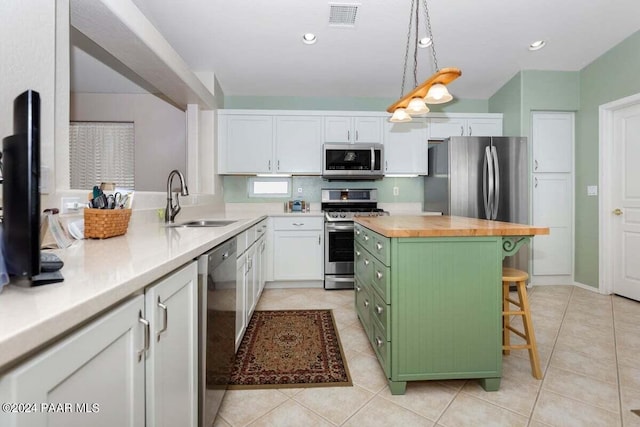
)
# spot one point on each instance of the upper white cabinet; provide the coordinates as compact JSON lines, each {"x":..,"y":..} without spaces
{"x":353,"y":130}
{"x":245,"y":144}
{"x":465,"y":125}
{"x":250,"y":144}
{"x":552,"y":136}
{"x":298,"y":144}
{"x":406,"y":147}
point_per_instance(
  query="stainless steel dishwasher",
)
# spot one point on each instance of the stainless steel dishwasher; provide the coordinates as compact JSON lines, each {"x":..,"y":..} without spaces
{"x":217,"y":321}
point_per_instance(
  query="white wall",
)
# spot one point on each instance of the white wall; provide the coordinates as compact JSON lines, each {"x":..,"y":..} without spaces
{"x":160,"y":131}
{"x":27,"y":37}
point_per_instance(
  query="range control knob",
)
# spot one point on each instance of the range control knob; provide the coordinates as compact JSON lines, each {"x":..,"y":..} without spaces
{"x":342,"y":215}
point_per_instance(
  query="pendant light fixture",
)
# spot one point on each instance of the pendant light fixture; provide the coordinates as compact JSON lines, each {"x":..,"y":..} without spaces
{"x":434,"y":89}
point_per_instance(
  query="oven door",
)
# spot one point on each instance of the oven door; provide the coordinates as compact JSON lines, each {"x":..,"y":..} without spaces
{"x":338,"y":248}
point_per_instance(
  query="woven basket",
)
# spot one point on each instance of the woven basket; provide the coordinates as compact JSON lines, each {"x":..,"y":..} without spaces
{"x":105,"y":223}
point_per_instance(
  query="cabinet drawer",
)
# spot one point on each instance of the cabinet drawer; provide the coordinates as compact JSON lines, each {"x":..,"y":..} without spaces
{"x":363,"y":305}
{"x":363,"y":236}
{"x":362,"y":270}
{"x":382,"y":348}
{"x":298,"y":223}
{"x":380,"y":248}
{"x":381,"y":313}
{"x":261,"y":228}
{"x":381,"y":278}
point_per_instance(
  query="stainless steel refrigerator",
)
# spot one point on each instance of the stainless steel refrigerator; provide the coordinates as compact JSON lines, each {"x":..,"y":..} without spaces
{"x":481,"y":177}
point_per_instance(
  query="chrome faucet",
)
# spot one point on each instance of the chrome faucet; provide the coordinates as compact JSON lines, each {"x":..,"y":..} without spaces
{"x":172,"y":210}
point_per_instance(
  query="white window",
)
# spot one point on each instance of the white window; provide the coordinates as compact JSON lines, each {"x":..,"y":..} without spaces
{"x":269,"y":187}
{"x":101,"y":152}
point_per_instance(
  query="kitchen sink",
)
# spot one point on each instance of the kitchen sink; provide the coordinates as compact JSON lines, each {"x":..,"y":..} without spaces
{"x":203,"y":223}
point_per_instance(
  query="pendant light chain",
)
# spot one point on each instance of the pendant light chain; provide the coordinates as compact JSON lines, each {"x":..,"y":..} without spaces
{"x":433,"y":43}
{"x":406,"y":51}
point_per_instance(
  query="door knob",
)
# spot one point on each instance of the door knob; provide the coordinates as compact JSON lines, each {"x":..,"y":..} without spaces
{"x":617,"y":211}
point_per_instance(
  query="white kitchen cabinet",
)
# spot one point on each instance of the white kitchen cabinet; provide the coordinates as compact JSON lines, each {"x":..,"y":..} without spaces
{"x":552,"y":141}
{"x":353,"y":130}
{"x":298,"y":145}
{"x":463,"y":125}
{"x":552,"y":207}
{"x":406,"y":147}
{"x":298,"y":243}
{"x":249,"y":265}
{"x":245,"y":144}
{"x":549,"y":134}
{"x":100,"y":369}
{"x":172,"y":359}
{"x":103,"y":363}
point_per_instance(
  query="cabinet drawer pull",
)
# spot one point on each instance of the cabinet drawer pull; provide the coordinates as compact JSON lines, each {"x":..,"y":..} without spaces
{"x":378,"y":275}
{"x":357,"y":232}
{"x":358,"y":288}
{"x":357,"y":254}
{"x":348,"y":135}
{"x":366,"y":262}
{"x":269,"y":165}
{"x":298,"y":224}
{"x":461,"y":130}
{"x":379,"y":310}
{"x":366,"y":303}
{"x":379,"y":246}
{"x":366,"y":237}
{"x":356,"y":135}
{"x":147,"y":337}
{"x":165,"y":318}
{"x":470,"y":131}
{"x":379,"y":342}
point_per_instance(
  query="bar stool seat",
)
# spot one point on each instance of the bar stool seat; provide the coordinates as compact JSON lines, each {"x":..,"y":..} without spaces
{"x":519,"y":278}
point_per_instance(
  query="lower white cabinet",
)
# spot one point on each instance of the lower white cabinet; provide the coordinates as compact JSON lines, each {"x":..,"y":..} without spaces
{"x":96,"y":376}
{"x":249,"y":275}
{"x":298,"y":247}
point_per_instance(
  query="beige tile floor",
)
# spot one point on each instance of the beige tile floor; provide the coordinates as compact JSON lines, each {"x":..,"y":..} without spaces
{"x":589,"y":348}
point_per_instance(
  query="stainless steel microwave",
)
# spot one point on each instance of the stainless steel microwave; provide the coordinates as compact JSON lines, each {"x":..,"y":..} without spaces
{"x":352,"y":161}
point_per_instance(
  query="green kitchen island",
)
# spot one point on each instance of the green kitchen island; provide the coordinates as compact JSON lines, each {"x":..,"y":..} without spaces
{"x":428,"y":293}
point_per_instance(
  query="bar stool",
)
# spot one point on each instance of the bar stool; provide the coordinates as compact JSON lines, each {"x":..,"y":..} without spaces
{"x":512,"y":275}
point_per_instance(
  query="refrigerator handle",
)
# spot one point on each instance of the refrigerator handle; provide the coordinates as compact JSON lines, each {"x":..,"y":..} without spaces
{"x":487,"y":183}
{"x":496,"y":174}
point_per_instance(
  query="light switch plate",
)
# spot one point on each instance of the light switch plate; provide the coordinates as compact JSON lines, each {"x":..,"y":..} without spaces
{"x":592,"y":190}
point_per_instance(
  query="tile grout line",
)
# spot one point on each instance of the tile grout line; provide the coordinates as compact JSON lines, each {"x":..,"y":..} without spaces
{"x":553,"y":348}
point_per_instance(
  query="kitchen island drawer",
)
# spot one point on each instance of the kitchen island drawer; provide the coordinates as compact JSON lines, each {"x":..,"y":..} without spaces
{"x":381,"y":314}
{"x":298,"y":223}
{"x":381,"y":278}
{"x":380,"y":248}
{"x":381,"y":347}
{"x":363,"y":305}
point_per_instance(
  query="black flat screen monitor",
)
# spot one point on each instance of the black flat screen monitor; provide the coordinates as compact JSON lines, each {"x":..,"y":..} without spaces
{"x":20,"y":189}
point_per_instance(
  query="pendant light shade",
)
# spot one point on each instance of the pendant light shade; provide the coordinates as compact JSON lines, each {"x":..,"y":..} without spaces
{"x":417,"y":106}
{"x":400,"y":115}
{"x":438,"y":94}
{"x":433,"y":90}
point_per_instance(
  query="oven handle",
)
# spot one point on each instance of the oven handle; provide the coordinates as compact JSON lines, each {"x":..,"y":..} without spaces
{"x":334,"y":227}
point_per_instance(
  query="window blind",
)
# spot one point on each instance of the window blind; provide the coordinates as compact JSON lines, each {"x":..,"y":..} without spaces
{"x":101,"y":152}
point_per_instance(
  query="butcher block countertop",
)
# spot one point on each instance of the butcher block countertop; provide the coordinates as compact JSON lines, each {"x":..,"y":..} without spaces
{"x":445,"y":226}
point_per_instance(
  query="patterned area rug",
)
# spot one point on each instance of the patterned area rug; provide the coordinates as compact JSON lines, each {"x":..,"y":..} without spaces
{"x":290,"y":348}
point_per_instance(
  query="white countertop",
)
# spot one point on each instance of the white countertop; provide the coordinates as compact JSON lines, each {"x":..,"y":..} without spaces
{"x":98,"y":274}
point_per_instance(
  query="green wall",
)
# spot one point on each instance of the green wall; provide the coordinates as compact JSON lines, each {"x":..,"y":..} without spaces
{"x":508,"y":101}
{"x":614,"y":75}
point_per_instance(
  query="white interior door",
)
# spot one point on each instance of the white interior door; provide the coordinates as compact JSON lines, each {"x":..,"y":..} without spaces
{"x":626,"y":202}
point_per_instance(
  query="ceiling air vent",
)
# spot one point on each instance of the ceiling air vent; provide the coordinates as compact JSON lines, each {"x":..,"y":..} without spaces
{"x":343,"y":14}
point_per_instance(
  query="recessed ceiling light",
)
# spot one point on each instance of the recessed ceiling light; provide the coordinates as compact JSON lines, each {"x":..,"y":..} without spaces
{"x":309,"y":38}
{"x":539,"y":44}
{"x":424,"y":42}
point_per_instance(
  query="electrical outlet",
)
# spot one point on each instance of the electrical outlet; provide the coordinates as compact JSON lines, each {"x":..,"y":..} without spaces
{"x":70,"y":205}
{"x":299,"y":190}
{"x":592,"y":190}
{"x":396,"y":191}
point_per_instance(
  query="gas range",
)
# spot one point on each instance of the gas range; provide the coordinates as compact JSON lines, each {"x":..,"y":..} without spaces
{"x":340,"y":206}
{"x":335,"y":215}
{"x":345,"y":204}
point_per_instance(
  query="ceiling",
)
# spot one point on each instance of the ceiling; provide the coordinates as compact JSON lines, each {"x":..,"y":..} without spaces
{"x":255,"y":47}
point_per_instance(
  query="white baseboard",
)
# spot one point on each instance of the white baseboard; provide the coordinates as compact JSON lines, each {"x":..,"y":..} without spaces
{"x":295,"y":284}
{"x":552,"y":280}
{"x":589,"y":288}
